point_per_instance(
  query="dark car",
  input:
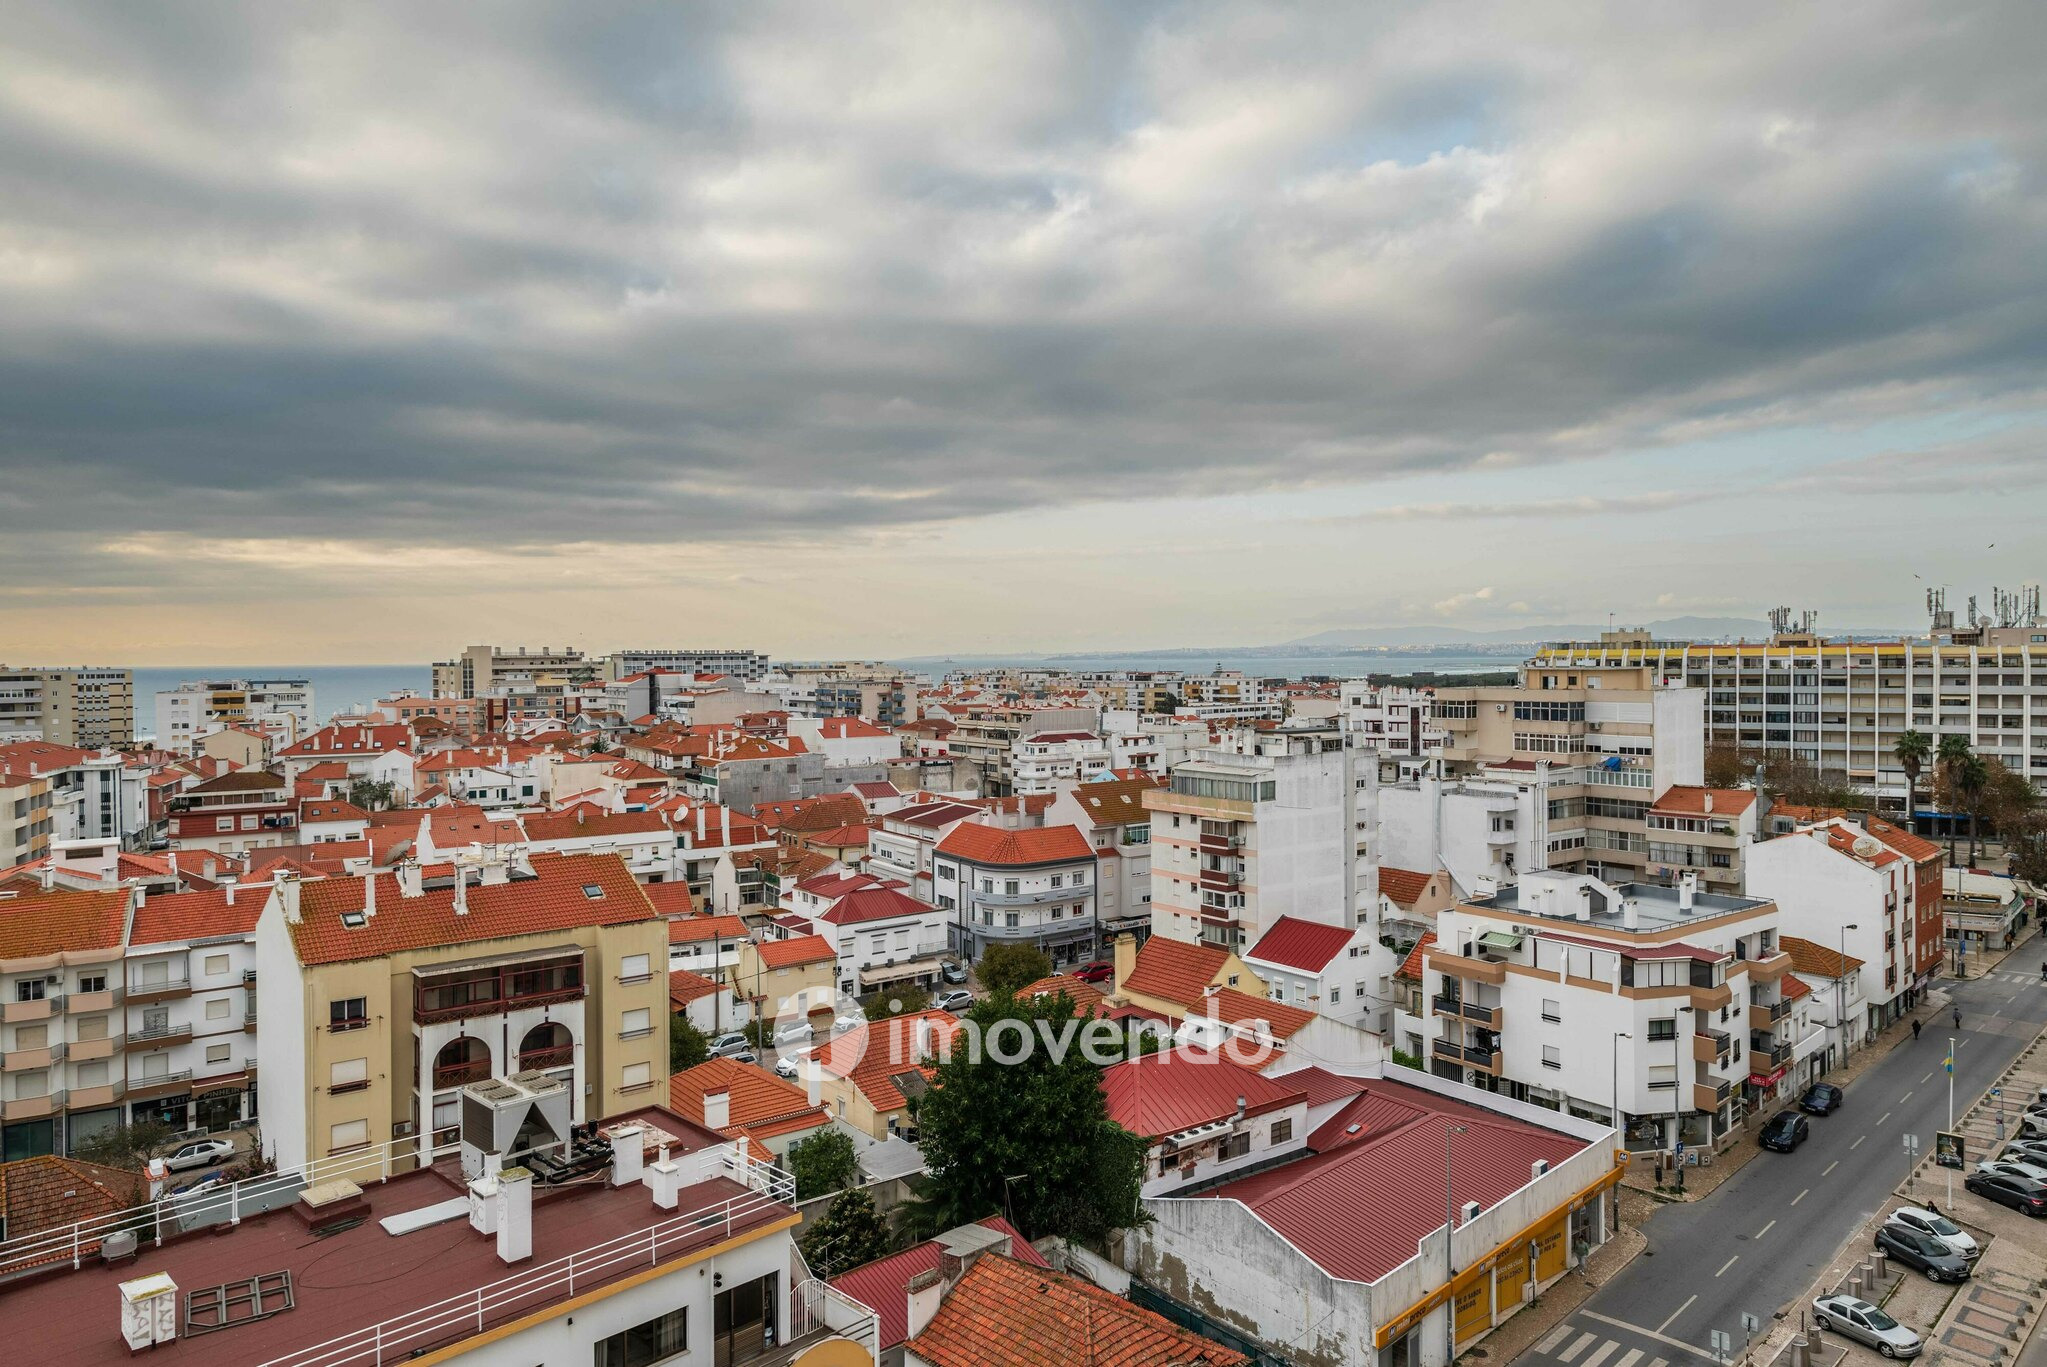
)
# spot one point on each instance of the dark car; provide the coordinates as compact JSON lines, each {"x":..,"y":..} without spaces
{"x":1785,"y":1131}
{"x":2027,"y":1197}
{"x":1822,"y":1098}
{"x":1096,"y":972}
{"x":1924,"y":1252}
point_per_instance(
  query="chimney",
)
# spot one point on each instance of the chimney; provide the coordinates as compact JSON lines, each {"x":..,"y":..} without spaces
{"x":1631,"y":914}
{"x":924,"y":1293}
{"x":369,"y":894}
{"x":47,"y":874}
{"x":581,"y":812}
{"x":718,"y":1109}
{"x":700,"y":822}
{"x":1687,"y":889}
{"x":664,"y":1177}
{"x":408,"y":877}
{"x":1242,"y":1105}
{"x":461,"y":891}
{"x":515,"y":1215}
{"x":227,"y":886}
{"x":628,"y":1155}
{"x":1709,"y":802}
{"x":176,"y":879}
{"x":286,"y":889}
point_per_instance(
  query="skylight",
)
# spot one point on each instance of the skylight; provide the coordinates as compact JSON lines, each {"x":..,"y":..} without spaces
{"x":593,"y":891}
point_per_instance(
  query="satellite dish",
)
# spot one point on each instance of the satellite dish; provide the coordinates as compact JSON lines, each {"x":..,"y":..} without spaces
{"x":1867,"y":847}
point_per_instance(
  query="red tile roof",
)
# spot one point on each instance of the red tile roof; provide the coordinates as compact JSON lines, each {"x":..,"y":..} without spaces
{"x":1087,"y":998}
{"x":552,"y":900}
{"x":796,"y":951}
{"x":1686,"y":799}
{"x":46,"y":1192}
{"x":586,"y":824}
{"x":992,"y":845}
{"x":331,"y":809}
{"x":871,"y":1056}
{"x":762,"y":1106}
{"x":1793,"y":987}
{"x":1914,"y":848}
{"x":1339,"y":1209}
{"x":351,"y":739}
{"x":1232,"y":1007}
{"x":1817,"y":960}
{"x":874,"y":904}
{"x":1304,"y":946}
{"x":1174,"y":970}
{"x":834,"y":885}
{"x":839,"y":836}
{"x":45,"y":923}
{"x":884,"y":1284}
{"x":1155,"y":1095}
{"x":1004,"y":1313}
{"x":1404,"y":886}
{"x":1117,"y":802}
{"x":683,"y":930}
{"x":685,"y":987}
{"x":170,"y":917}
{"x":1411,"y":967}
{"x":671,"y":899}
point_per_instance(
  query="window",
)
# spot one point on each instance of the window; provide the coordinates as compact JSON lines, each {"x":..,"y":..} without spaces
{"x":636,"y":1075}
{"x":92,"y":1074}
{"x":223,"y":823}
{"x":349,"y":1134}
{"x":1282,"y":1131}
{"x":29,"y":990}
{"x":31,"y":1036}
{"x":1665,"y":1029}
{"x":1079,"y":878}
{"x":216,"y":964}
{"x":1009,"y":919}
{"x":632,"y":968}
{"x":92,"y":982}
{"x":1551,"y":1058}
{"x":249,"y":822}
{"x":1236,"y":1146}
{"x":1058,"y":880}
{"x":350,"y":1013}
{"x":1552,"y":1009}
{"x":635,"y":1024}
{"x":217,"y":1009}
{"x":216,"y":1053}
{"x":348,"y":1075}
{"x":948,"y":871}
{"x":664,"y":1336}
{"x":1335,"y":995}
{"x":91,"y":1027}
{"x":1009,"y":887}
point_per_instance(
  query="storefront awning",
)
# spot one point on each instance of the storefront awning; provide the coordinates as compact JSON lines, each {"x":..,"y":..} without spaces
{"x":1769,"y":1079}
{"x":895,"y":973}
{"x":1500,"y":939}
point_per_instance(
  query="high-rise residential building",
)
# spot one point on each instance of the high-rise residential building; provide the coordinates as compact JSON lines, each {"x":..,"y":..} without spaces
{"x":1241,"y":838}
{"x":1394,"y":722}
{"x":749,"y":665}
{"x":281,"y":709}
{"x":90,"y":707}
{"x":482,"y":670}
{"x":1843,"y":704}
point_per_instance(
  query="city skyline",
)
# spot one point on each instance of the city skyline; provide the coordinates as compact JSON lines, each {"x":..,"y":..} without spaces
{"x":1070,"y":330}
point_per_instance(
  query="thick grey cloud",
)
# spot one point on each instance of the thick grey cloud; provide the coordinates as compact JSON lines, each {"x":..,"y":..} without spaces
{"x":520,"y":274}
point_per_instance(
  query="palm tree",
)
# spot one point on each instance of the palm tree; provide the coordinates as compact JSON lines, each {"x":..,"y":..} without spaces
{"x":1912,"y":750}
{"x":1972,"y":776}
{"x":1954,"y":751}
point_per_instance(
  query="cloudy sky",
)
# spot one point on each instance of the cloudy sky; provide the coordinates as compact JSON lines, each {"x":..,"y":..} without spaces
{"x":360,"y":333}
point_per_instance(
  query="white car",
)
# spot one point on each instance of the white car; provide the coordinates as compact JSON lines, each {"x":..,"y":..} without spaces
{"x":200,"y":1153}
{"x":792,"y":1064}
{"x":793,"y":1032}
{"x":848,"y":1022}
{"x":1936,"y":1226}
{"x":2031,"y":1172}
{"x":1863,"y":1321}
{"x":729,"y":1045}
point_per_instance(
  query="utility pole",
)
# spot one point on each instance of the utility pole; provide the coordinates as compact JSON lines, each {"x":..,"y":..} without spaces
{"x":1615,"y":1197}
{"x":1951,"y":1114}
{"x":1449,"y":1260}
{"x":1841,"y":991}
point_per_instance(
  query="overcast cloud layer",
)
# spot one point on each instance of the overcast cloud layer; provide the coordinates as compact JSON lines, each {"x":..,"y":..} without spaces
{"x":743,"y":309}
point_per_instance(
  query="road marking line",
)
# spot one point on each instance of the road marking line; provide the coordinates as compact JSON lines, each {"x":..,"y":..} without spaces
{"x":1907,"y":1096}
{"x":1674,"y":1314}
{"x":1600,"y":1354}
{"x":1729,"y":1263}
{"x":1800,"y":1197}
{"x":1766,"y":1229}
{"x":1882,"y":1118}
{"x":1927,"y":1078}
{"x":1584,"y":1341}
{"x":1656,"y":1334}
{"x":1853,"y":1147}
{"x":1830,"y":1167}
{"x":1553,"y":1338}
{"x":1634,"y":1356}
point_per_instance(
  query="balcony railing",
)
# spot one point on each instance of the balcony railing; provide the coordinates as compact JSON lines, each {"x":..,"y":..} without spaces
{"x":1466,"y":1009}
{"x":460,"y":1074}
{"x":560,"y":1056}
{"x":1708,"y":1097}
{"x":161,"y":1084}
{"x":1487,"y":1060}
{"x":158,"y":1036}
{"x":32,"y":1107}
{"x":426,"y":1015}
{"x":1710,"y":1046}
{"x":139,"y":993}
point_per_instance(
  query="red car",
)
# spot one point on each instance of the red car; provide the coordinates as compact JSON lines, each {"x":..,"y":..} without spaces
{"x":1096,"y":972}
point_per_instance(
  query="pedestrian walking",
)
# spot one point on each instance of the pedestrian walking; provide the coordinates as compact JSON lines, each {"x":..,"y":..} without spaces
{"x":1958,"y":1018}
{"x":1915,"y":1029}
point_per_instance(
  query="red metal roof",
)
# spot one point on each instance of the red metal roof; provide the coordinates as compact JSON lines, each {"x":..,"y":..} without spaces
{"x":874,"y":904}
{"x":883,"y":1285}
{"x":1304,"y":946}
{"x":1323,"y":1086}
{"x":1155,"y":1095}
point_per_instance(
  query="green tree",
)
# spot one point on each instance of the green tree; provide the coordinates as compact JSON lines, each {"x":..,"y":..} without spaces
{"x":1948,"y":759}
{"x":126,"y":1146}
{"x":2008,"y":797}
{"x":1005,"y":968}
{"x":904,"y":1000}
{"x":2025,"y":843}
{"x":1031,"y":1138}
{"x":849,"y":1234}
{"x":1912,"y":751}
{"x":1724,"y":766}
{"x":687,"y":1045}
{"x":1169,"y":703}
{"x":823,"y":1162}
{"x":1972,"y":780}
{"x":372,"y":795}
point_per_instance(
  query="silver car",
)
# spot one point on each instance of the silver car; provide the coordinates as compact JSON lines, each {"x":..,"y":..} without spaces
{"x":2031,"y":1172}
{"x":1865,"y":1323}
{"x":1938,"y":1227}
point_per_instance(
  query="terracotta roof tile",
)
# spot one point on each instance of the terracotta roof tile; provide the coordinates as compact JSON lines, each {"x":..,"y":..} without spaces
{"x":1817,"y":960}
{"x":1087,"y":998}
{"x":683,"y":930}
{"x":1005,"y":1313}
{"x":884,"y":1284}
{"x":45,"y":923}
{"x":1913,"y":847}
{"x":871,"y":1056}
{"x":1411,"y":967}
{"x":685,"y":987}
{"x":760,"y":1104}
{"x":672,"y":899}
{"x":1116,"y":803}
{"x":1232,"y":1007}
{"x":45,"y":1192}
{"x":586,"y":824}
{"x":993,"y":845}
{"x":170,"y":917}
{"x":796,"y":951}
{"x":874,"y":904}
{"x":1404,"y":886}
{"x":1174,"y":970}
{"x":1691,"y":800}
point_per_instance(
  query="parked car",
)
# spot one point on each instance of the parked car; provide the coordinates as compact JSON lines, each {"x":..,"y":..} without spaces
{"x":731,"y":1044}
{"x":2026,"y":1197}
{"x":1937,"y":1225}
{"x":1863,"y":1321}
{"x":851,"y":1021}
{"x":2033,"y":1125}
{"x":794,"y":1032}
{"x":955,"y":1001}
{"x":2031,"y":1172}
{"x":953,"y":971}
{"x":1100,"y":971}
{"x":203,"y":1153}
{"x":746,"y":1055}
{"x":1822,"y":1098}
{"x":1785,"y":1131}
{"x":790,"y":1065}
{"x":1924,"y":1252}
{"x":2026,"y":1151}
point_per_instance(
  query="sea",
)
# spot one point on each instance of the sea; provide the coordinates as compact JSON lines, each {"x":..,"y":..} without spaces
{"x":336,"y":688}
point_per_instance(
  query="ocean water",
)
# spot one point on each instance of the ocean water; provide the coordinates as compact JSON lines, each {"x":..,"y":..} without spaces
{"x":336,"y":688}
{"x":1351,"y":664}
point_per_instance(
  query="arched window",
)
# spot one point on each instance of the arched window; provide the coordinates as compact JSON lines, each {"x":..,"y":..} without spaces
{"x":547,"y":1045}
{"x":461,"y":1061}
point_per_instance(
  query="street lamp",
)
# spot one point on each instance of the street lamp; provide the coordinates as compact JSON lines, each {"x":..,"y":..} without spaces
{"x":1449,"y":1261}
{"x":1677,"y":1067}
{"x":1841,"y":990}
{"x":1618,"y":1036}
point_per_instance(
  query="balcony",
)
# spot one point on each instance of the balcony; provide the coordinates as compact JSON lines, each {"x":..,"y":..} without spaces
{"x":1772,"y":967}
{"x":86,"y":1098}
{"x":1471,"y":1055}
{"x":83,"y":1003}
{"x":84,"y":1050}
{"x":541,"y":1059}
{"x":159,"y":1037}
{"x":42,"y":1008}
{"x":32,"y":1107}
{"x":25,"y":1060}
{"x":1762,"y":1017}
{"x":162,"y":1084}
{"x":461,"y":1074}
{"x":1710,"y":1046}
{"x":168,"y":990}
{"x":1763,"y":1061}
{"x":1028,"y":899}
{"x":1492,"y":971}
{"x":1711,"y":998}
{"x":1710,"y":1096}
{"x":1466,"y":1009}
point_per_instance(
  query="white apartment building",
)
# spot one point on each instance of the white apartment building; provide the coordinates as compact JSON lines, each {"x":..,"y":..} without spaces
{"x":1843,"y":705}
{"x":1842,"y":888}
{"x":1032,"y":886}
{"x":1228,"y":695}
{"x":883,"y":937}
{"x":481,"y":670}
{"x":750,"y":665}
{"x":1041,"y":763}
{"x":1318,"y":967}
{"x":1112,"y":815}
{"x":1281,"y":828}
{"x":281,"y":709}
{"x":902,"y":845}
{"x":1154,"y":744}
{"x":191,"y":1008}
{"x":846,"y":740}
{"x":1392,"y":721}
{"x":1658,"y":1009}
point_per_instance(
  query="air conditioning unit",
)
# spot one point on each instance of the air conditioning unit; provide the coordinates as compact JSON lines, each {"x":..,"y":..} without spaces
{"x":1499,"y":707}
{"x":401,"y":1129}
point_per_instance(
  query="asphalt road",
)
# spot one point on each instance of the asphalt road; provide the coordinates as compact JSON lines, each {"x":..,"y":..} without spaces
{"x":1757,"y":1242}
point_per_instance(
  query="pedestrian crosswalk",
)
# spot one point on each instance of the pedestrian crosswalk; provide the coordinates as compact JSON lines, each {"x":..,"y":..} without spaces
{"x":2020,"y":979}
{"x":1605,"y":1344}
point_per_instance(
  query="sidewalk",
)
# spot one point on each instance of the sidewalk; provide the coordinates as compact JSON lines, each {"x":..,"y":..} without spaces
{"x":1562,"y":1300}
